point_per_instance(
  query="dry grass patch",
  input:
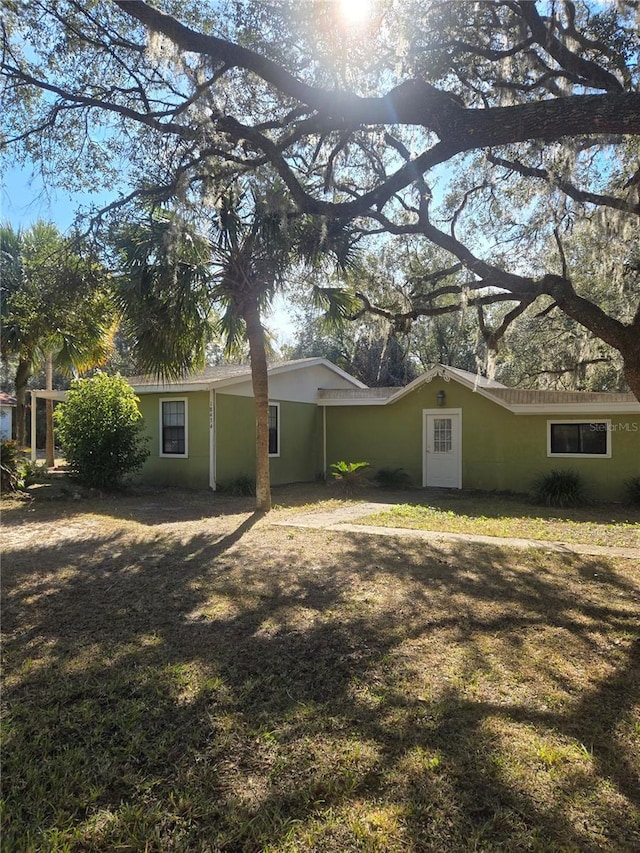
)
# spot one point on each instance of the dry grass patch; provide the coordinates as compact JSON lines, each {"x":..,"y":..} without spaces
{"x":183,"y":676}
{"x":496,"y":515}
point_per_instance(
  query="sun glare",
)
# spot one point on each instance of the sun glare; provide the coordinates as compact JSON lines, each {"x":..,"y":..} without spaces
{"x":354,"y":12}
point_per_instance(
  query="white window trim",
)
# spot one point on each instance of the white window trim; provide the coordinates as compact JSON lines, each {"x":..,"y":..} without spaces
{"x":277,"y":454}
{"x":184,"y":400}
{"x":605,"y":421}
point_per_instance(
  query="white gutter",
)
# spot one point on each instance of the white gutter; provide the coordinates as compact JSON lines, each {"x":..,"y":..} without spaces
{"x":575,"y":408}
{"x":34,"y":452}
{"x":324,"y":441}
{"x":212,"y":439}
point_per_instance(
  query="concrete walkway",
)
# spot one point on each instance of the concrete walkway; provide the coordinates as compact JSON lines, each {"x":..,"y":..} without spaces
{"x":341,"y":520}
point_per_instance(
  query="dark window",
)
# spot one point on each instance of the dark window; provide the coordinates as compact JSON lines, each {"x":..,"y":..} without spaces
{"x":274,"y":427}
{"x":173,"y":427}
{"x":587,"y":438}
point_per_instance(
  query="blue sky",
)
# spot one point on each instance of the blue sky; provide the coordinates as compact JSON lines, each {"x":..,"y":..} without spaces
{"x":24,"y":199}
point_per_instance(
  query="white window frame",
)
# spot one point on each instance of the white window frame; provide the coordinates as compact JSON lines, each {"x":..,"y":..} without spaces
{"x":277,"y":408}
{"x":184,"y":400}
{"x":606,"y":423}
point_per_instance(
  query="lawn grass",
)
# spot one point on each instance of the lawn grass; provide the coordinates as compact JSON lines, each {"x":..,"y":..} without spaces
{"x":180,"y":675}
{"x":512,"y":516}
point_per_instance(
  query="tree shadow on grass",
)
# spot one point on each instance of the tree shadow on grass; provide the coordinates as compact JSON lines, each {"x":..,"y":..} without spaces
{"x":235,"y":694}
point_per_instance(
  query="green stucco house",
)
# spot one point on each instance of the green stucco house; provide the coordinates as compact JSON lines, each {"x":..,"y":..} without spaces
{"x":447,"y":429}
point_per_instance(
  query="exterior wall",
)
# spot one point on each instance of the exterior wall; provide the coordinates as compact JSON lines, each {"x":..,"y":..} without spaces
{"x":300,"y":440}
{"x":500,"y":450}
{"x":193,"y":471}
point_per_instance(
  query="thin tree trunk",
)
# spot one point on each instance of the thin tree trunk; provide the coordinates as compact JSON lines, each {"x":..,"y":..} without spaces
{"x":632,"y":369}
{"x":260,"y":380}
{"x":49,"y":445}
{"x":23,"y":373}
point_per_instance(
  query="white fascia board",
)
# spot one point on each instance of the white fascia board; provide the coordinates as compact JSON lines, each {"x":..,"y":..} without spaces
{"x":313,"y":362}
{"x":346,"y":402}
{"x":231,"y":380}
{"x":287,"y":368}
{"x":575,"y":408}
{"x":178,"y":388}
{"x":444,"y":373}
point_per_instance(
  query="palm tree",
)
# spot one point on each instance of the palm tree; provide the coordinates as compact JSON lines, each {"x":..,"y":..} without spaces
{"x":254,"y":241}
{"x":56,"y":307}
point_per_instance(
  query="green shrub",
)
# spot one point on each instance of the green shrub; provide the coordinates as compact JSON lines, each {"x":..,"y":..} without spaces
{"x":349,"y":476}
{"x":101,"y":431}
{"x":560,"y":488}
{"x":392,"y":478}
{"x":632,"y":490}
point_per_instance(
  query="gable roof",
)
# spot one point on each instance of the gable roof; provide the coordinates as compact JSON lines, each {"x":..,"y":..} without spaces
{"x":224,"y":375}
{"x":517,"y":400}
{"x":7,"y":399}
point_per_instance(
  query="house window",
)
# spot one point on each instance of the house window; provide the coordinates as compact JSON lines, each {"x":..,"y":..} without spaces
{"x":274,"y":429}
{"x":579,"y":438}
{"x":173,"y":427}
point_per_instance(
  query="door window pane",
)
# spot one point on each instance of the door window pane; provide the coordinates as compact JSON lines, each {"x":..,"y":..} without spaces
{"x":442,"y":435}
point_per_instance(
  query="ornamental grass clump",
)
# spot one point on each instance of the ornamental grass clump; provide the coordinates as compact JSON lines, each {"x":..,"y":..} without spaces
{"x":559,"y":488}
{"x":101,"y":431}
{"x":632,"y":491}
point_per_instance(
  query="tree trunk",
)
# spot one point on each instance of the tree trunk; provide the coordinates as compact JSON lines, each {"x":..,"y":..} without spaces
{"x":49,"y":445}
{"x":23,"y":373}
{"x":626,"y":339}
{"x":632,"y":369}
{"x":260,"y":379}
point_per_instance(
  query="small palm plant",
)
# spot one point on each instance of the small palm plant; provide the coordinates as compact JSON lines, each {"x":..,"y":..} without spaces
{"x":349,"y":476}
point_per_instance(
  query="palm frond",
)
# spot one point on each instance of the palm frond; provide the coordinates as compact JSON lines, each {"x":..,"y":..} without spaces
{"x":335,"y":303}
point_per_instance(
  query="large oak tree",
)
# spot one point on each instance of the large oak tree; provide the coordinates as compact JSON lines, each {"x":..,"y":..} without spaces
{"x":495,"y":130}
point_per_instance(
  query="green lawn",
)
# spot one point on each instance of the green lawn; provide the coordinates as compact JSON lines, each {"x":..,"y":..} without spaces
{"x":180,"y":675}
{"x":511,"y":516}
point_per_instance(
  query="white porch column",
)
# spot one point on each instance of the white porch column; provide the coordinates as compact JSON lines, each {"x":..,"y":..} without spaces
{"x":34,"y":404}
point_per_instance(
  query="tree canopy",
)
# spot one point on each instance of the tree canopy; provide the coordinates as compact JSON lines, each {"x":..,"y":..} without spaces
{"x":56,"y":303}
{"x":502,"y":132}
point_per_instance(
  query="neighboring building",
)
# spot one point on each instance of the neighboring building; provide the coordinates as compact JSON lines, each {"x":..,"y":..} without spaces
{"x":448,"y":429}
{"x":7,"y":405}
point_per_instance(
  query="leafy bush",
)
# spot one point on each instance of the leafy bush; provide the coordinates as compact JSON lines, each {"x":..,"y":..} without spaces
{"x":559,"y":488}
{"x":392,"y":478}
{"x":632,"y":488}
{"x":101,"y":430}
{"x":349,"y":476}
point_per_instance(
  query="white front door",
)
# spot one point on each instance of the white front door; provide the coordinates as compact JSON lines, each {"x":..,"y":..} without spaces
{"x":442,"y":449}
